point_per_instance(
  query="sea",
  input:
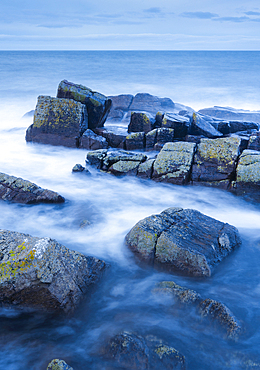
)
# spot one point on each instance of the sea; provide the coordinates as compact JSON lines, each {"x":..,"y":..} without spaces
{"x":100,"y":209}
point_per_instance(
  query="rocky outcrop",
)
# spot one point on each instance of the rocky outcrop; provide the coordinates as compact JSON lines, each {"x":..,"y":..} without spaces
{"x":57,"y":364}
{"x":139,"y":122}
{"x":184,"y":240}
{"x":232,"y":114}
{"x":15,"y":189}
{"x":215,"y":311}
{"x":215,"y":161}
{"x":58,"y":122}
{"x":173,"y":163}
{"x":132,"y":351}
{"x":97,"y":105}
{"x":42,"y":274}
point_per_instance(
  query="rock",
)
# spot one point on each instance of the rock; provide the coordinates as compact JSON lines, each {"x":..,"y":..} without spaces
{"x":151,"y":103}
{"x":222,"y":315}
{"x":180,"y":124}
{"x":114,"y":156}
{"x":184,"y":295}
{"x":228,"y":113}
{"x":229,"y":127}
{"x":98,"y":105}
{"x":42,"y":274}
{"x":29,"y":114}
{"x":182,"y":239}
{"x":132,"y":351}
{"x":78,"y":168}
{"x":199,"y":126}
{"x":17,"y":190}
{"x":92,"y":141}
{"x":58,"y":122}
{"x":145,"y":169}
{"x":124,"y":168}
{"x":165,"y":135}
{"x":215,"y":161}
{"x":120,"y":105}
{"x":254,"y":141}
{"x":173,"y":163}
{"x":113,"y":139}
{"x":96,"y":158}
{"x":151,"y":139}
{"x":248,"y":175}
{"x":57,"y":364}
{"x":135,"y":141}
{"x":194,"y":138}
{"x":139,"y":123}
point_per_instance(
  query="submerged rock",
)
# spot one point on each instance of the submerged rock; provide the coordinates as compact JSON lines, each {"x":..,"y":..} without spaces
{"x":184,"y":295}
{"x":97,"y":105}
{"x":58,"y":122}
{"x":184,"y":240}
{"x":17,"y":190}
{"x":132,"y":351}
{"x":57,"y":364}
{"x":42,"y":274}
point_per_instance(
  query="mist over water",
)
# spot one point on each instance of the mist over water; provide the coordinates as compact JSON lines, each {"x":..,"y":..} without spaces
{"x":100,"y":209}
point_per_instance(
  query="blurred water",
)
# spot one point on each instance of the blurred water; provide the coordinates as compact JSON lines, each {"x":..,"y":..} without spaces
{"x":110,"y":206}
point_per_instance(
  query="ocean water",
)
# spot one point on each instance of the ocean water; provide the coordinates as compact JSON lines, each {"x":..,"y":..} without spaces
{"x":111,"y":206}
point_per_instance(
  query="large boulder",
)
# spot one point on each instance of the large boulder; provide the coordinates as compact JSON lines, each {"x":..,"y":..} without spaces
{"x":254,"y":141}
{"x":184,"y":240}
{"x":17,"y":190}
{"x":179,"y":123}
{"x":42,"y":274}
{"x":135,"y":140}
{"x":97,"y":105}
{"x":173,"y":163}
{"x":58,"y":122}
{"x":132,"y":351}
{"x":215,"y":161}
{"x":152,"y":104}
{"x":228,"y":113}
{"x":201,"y":126}
{"x":248,"y":175}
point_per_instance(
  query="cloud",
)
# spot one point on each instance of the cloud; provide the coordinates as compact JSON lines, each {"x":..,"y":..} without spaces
{"x":199,"y":15}
{"x":233,"y":19}
{"x":252,"y":13}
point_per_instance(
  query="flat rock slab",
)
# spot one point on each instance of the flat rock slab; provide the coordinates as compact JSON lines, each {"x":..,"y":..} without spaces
{"x":17,"y":190}
{"x":58,"y":122}
{"x":184,"y":240}
{"x":42,"y":274}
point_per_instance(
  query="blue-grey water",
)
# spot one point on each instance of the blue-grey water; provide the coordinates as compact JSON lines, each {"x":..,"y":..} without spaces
{"x":111,"y":206}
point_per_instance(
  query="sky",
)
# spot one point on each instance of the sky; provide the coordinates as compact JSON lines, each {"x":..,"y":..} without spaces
{"x":129,"y":25}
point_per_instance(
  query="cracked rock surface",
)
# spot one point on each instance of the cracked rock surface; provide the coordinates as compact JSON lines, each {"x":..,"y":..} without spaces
{"x":183,"y":239}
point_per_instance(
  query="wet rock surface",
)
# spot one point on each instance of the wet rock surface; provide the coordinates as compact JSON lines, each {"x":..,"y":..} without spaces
{"x":184,"y":240}
{"x":57,"y":364}
{"x":15,"y":189}
{"x":132,"y":351}
{"x":42,"y":274}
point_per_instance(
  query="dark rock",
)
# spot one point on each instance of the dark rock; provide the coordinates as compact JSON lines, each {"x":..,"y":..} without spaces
{"x":96,"y":158}
{"x":139,"y":123}
{"x":228,"y":113}
{"x":135,"y":141}
{"x":124,"y":168}
{"x":132,"y":351}
{"x":17,"y":190}
{"x":92,"y":141}
{"x":200,"y":126}
{"x":215,"y":161}
{"x":78,"y":168}
{"x":229,"y":127}
{"x":183,"y":295}
{"x":151,"y":139}
{"x":98,"y":105}
{"x":165,"y":135}
{"x":145,"y":169}
{"x":40,"y":273}
{"x":113,"y":139}
{"x":173,"y":163}
{"x":180,"y":124}
{"x":58,"y":122}
{"x":57,"y":364}
{"x":158,"y":120}
{"x":151,"y":103}
{"x":120,"y":105}
{"x":254,"y":141}
{"x":193,"y":138}
{"x":222,"y":315}
{"x":185,"y":240}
